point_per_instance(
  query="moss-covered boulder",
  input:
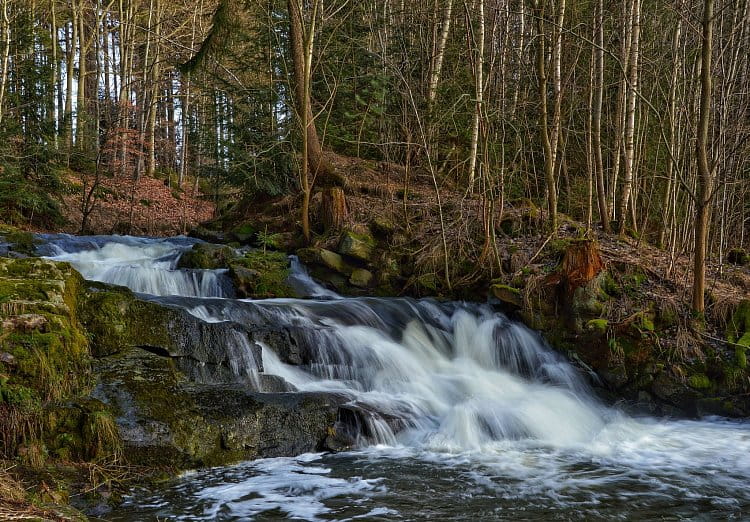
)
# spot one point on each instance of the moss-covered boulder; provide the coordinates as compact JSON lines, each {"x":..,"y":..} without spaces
{"x":245,"y":234}
{"x":357,"y":246}
{"x":167,"y":419}
{"x":46,"y":414}
{"x":260,"y":274}
{"x":507,"y":295}
{"x":207,"y":256}
{"x":322,"y":257}
{"x":16,"y":243}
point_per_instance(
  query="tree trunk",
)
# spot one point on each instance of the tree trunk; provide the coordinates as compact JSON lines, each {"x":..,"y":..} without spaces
{"x":596,"y":130}
{"x":629,"y":133}
{"x":302,"y":42}
{"x":333,"y":210}
{"x":705,"y":175}
{"x":437,"y":62}
{"x":549,"y":161}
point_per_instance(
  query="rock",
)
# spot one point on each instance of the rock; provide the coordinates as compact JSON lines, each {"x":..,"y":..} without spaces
{"x":260,"y":274}
{"x":206,"y":256}
{"x":24,"y":322}
{"x":382,"y":228}
{"x":325,"y":258}
{"x":167,"y":420}
{"x":245,"y":280}
{"x":361,"y":278}
{"x":208,"y":235}
{"x":507,"y":295}
{"x":358,"y":246}
{"x":244,"y":234}
{"x":334,"y":261}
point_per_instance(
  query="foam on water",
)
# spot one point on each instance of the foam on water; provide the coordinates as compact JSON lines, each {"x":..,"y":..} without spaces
{"x":478,"y":397}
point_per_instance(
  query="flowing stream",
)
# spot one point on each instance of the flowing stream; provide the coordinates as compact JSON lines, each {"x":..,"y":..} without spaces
{"x":470,"y":415}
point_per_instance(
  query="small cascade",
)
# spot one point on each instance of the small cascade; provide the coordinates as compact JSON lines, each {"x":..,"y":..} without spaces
{"x":146,"y":266}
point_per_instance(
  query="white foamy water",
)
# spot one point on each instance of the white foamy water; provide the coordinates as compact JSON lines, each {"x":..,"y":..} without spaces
{"x":145,"y":266}
{"x":459,"y":413}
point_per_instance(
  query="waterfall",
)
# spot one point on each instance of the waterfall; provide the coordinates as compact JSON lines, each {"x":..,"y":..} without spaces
{"x":146,"y":266}
{"x":442,"y":375}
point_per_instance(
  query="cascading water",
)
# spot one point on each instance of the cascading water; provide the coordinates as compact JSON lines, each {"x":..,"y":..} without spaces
{"x":455,"y":402}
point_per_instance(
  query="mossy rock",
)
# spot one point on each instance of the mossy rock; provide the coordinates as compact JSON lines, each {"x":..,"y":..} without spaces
{"x":361,"y":278}
{"x":19,"y":241}
{"x":699,"y":381}
{"x":261,"y":274}
{"x":325,"y":258}
{"x":508,"y":295}
{"x":206,"y":256}
{"x":382,"y":228}
{"x":40,"y":328}
{"x":597,"y":325}
{"x":357,"y":246}
{"x":167,"y":420}
{"x":245,"y":233}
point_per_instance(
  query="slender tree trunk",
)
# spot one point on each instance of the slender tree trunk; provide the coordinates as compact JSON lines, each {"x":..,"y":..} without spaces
{"x":5,"y":56}
{"x":478,"y":92}
{"x":629,"y":132}
{"x":541,"y":70}
{"x":437,"y":62}
{"x":597,"y":120}
{"x":705,"y":174}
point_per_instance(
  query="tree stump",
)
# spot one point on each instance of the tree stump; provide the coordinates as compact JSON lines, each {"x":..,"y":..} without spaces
{"x":581,"y":264}
{"x":333,"y":210}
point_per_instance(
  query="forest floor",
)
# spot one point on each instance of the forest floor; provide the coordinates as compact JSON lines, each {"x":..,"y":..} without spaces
{"x":147,"y":207}
{"x":377,"y":191}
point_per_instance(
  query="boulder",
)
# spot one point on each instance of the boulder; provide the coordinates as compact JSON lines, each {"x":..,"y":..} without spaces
{"x":244,"y":234}
{"x":325,"y":258}
{"x":207,"y":256}
{"x":361,"y":278}
{"x":260,"y":274}
{"x":507,"y":295}
{"x":167,"y":420}
{"x":357,"y":246}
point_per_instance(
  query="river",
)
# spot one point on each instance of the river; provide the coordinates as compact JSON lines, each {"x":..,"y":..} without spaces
{"x":471,"y":416}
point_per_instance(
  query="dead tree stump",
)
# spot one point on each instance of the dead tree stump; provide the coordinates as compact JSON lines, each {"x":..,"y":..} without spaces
{"x":333,"y":209}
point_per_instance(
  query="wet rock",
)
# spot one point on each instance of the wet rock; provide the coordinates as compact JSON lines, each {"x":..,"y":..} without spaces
{"x":208,"y":235}
{"x":167,"y":420}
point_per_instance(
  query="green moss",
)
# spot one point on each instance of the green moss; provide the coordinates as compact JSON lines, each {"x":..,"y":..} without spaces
{"x":738,"y":326}
{"x":206,"y":256}
{"x":740,"y":355}
{"x":265,"y":274}
{"x":699,"y":381}
{"x":645,"y":322}
{"x":598,"y":325}
{"x":507,"y":294}
{"x":244,"y":233}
